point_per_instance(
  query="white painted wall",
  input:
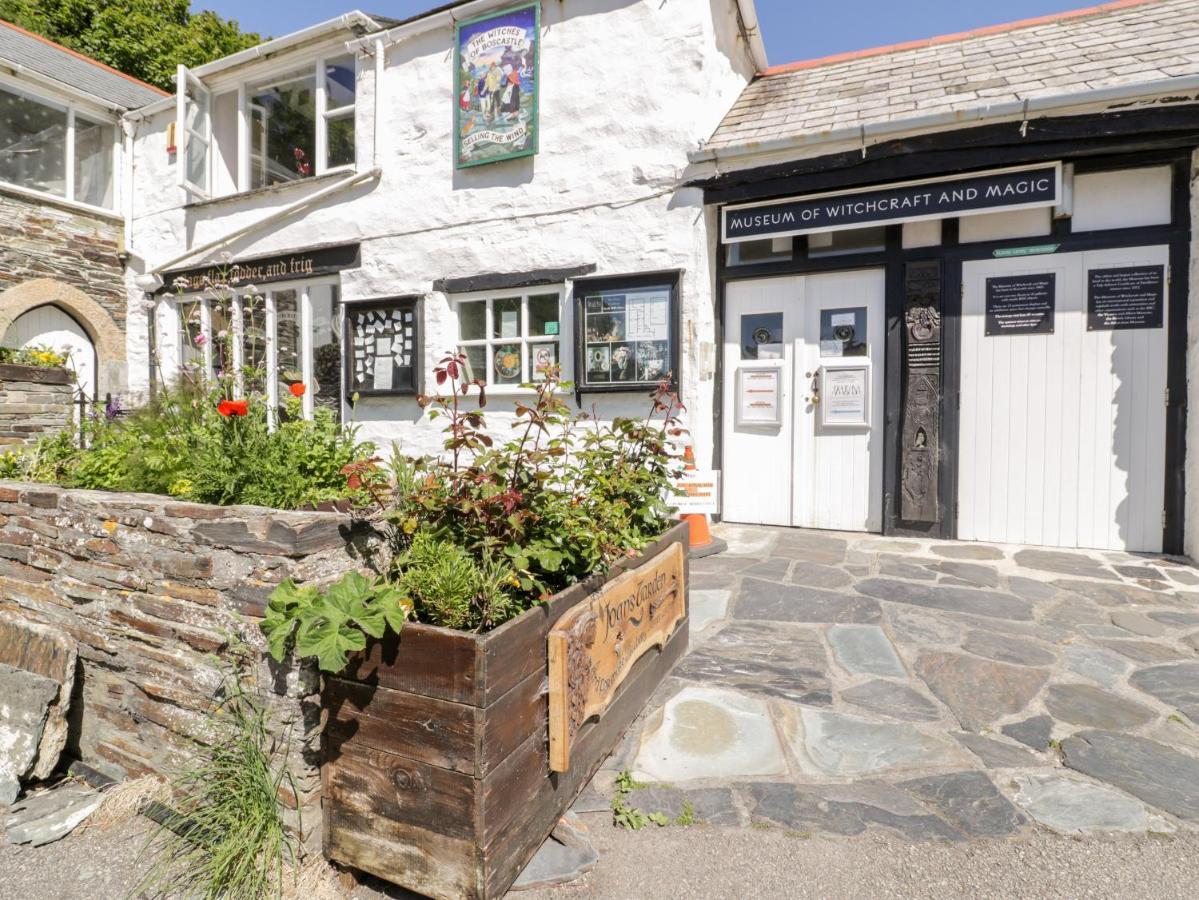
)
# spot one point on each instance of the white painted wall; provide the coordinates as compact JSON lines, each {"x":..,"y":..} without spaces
{"x":628,"y":88}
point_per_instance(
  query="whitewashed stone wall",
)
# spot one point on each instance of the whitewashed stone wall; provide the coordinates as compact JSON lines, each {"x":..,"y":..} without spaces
{"x":628,"y":87}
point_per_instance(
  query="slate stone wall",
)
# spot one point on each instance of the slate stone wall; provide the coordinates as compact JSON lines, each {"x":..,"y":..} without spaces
{"x":33,"y":401}
{"x":39,"y":239}
{"x":157,"y":592}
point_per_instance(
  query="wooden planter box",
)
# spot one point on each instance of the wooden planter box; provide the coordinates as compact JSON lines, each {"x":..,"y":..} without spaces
{"x":436,"y":774}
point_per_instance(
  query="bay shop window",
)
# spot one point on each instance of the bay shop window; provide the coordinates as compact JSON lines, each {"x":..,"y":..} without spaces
{"x":56,"y":149}
{"x":269,"y":340}
{"x":278,"y":127}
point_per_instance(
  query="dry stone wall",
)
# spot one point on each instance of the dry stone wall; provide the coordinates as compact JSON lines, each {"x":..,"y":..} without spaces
{"x":158,"y":594}
{"x":39,"y":239}
{"x":33,"y":401}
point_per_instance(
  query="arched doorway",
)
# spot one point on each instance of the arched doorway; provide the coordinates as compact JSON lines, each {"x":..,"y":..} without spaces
{"x":51,"y":326}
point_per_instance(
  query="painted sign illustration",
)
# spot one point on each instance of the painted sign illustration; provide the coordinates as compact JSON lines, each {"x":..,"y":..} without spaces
{"x":496,"y":79}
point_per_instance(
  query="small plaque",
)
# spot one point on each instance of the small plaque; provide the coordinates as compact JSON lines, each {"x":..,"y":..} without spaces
{"x":593,"y":647}
{"x":701,"y":493}
{"x":1021,"y":304}
{"x":1132,"y":297}
{"x":759,"y":396}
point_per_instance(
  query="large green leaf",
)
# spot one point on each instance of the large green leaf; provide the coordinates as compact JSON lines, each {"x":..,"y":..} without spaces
{"x":330,"y":640}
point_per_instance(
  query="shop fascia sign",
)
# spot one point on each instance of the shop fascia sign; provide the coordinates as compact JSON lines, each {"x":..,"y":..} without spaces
{"x":300,"y":264}
{"x":1025,"y":187}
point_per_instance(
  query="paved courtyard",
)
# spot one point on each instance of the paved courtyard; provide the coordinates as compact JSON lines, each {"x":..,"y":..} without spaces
{"x":840,"y":684}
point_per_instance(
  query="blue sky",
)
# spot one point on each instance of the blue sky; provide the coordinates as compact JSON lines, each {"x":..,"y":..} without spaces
{"x":794,"y":29}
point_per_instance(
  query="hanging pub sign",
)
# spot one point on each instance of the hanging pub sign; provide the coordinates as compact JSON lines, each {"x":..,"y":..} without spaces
{"x":1132,"y":297}
{"x":911,"y":201}
{"x":261,"y":270}
{"x":382,"y":350}
{"x":496,"y":80}
{"x":627,"y":333}
{"x":1021,"y":304}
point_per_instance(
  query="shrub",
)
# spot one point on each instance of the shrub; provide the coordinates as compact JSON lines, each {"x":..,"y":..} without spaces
{"x":195,"y":444}
{"x":484,"y":532}
{"x":34,"y":355}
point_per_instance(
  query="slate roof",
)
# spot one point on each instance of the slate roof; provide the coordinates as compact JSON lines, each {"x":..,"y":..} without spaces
{"x":73,"y":69}
{"x":1117,"y":43}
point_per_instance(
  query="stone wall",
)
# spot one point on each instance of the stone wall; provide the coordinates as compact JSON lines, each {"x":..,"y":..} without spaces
{"x":156,"y":592}
{"x":39,"y":239}
{"x":33,"y":401}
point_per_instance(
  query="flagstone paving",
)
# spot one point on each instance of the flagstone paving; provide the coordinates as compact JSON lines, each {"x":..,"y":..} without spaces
{"x":843,"y":684}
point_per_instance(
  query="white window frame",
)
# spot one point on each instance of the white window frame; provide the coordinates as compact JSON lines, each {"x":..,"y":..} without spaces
{"x":94,"y":114}
{"x":323,"y":115}
{"x":307,"y":349}
{"x":525,"y":340}
{"x":185,"y":81}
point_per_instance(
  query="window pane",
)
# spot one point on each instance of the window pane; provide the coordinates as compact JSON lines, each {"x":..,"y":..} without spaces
{"x":843,"y":332}
{"x":287,"y":339}
{"x":32,"y":144}
{"x":326,"y":348}
{"x":541,"y":358}
{"x":505,"y":314}
{"x":197,"y":162}
{"x":220,"y":317}
{"x":543,"y":314}
{"x":762,"y":336}
{"x":253,"y":325}
{"x":476,"y":362}
{"x":340,"y":137}
{"x":506,"y":364}
{"x":196,"y":111}
{"x":472,"y":320}
{"x":284,"y":126}
{"x":339,"y":82}
{"x":93,"y":162}
{"x":189,"y":317}
{"x":766,"y":250}
{"x":851,"y":240}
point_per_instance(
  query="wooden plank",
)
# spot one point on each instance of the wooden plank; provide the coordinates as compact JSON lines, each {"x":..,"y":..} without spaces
{"x":508,"y":722}
{"x":401,"y":790}
{"x":522,"y":797}
{"x":424,"y":861}
{"x":420,"y":728}
{"x":593,"y":647}
{"x":422,"y":659}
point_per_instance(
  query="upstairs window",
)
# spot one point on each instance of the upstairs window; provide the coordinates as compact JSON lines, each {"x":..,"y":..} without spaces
{"x":55,"y":150}
{"x":277,"y":129}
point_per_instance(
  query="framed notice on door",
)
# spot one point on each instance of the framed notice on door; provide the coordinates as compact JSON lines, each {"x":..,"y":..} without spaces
{"x":759,"y":398}
{"x":844,"y":396}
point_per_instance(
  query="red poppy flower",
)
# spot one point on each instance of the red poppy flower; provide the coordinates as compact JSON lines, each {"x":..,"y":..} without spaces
{"x":233,"y":408}
{"x":297,"y":389}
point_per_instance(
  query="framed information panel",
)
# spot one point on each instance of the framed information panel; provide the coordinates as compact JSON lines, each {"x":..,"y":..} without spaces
{"x":626,"y":332}
{"x":382,"y":347}
{"x":844,"y":396}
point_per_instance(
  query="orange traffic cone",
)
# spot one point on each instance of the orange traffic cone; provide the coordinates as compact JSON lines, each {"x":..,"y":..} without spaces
{"x":699,"y":535}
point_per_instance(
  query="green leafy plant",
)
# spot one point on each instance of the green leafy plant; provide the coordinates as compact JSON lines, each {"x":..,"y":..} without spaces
{"x":332,"y":624}
{"x":225,"y":836}
{"x":39,"y":355}
{"x":630,"y":817}
{"x":687,"y":815}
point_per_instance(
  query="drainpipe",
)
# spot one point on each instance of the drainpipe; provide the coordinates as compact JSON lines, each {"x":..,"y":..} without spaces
{"x":277,"y":215}
{"x":752,"y":32}
{"x":379,"y":51}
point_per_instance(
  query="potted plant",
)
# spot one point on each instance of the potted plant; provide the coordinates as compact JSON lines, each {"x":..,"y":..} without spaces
{"x":437,"y":771}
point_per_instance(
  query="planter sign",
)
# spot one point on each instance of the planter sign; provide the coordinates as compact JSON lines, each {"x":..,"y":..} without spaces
{"x":593,"y":647}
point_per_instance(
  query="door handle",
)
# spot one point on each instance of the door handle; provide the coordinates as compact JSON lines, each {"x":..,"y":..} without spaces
{"x":815,"y":388}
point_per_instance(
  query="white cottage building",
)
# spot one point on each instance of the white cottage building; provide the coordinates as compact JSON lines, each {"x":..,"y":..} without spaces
{"x":347,"y":173}
{"x":942,"y":288}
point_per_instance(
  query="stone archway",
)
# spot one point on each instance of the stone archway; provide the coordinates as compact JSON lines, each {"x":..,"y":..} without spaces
{"x":106,"y":337}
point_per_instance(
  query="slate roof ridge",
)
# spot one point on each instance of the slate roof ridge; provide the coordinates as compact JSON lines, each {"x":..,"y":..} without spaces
{"x":953,"y":37}
{"x":87,"y":59}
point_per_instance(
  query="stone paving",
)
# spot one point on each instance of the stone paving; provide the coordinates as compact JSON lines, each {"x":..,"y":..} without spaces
{"x":843,"y":684}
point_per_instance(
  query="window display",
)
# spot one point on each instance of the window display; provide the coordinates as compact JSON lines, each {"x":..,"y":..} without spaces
{"x":627,"y":333}
{"x":382,"y":350}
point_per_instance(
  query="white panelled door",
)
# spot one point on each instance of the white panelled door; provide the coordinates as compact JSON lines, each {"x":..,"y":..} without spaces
{"x":1062,"y":435}
{"x":785,"y":340}
{"x":49,"y":326}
